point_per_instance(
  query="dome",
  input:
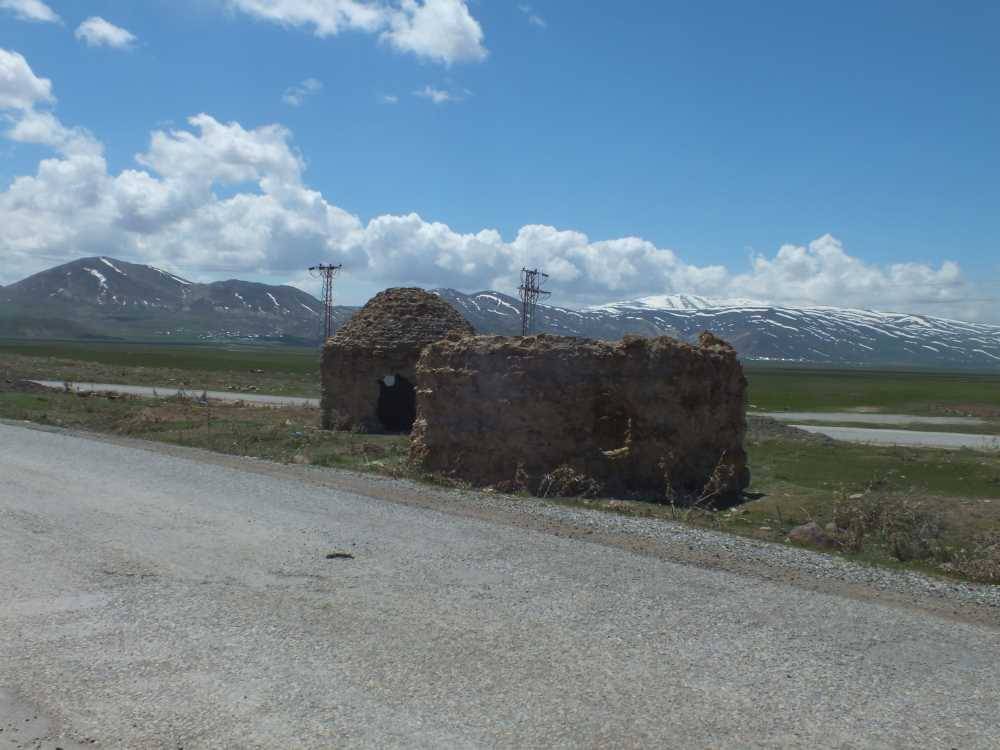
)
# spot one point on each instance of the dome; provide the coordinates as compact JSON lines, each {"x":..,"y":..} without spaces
{"x":401,"y":318}
{"x":369,"y":366}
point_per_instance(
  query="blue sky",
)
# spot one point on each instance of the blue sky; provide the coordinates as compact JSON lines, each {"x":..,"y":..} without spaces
{"x":800,"y":152}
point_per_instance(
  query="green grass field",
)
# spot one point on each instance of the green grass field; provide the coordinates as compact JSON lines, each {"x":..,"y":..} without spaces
{"x":907,"y":391}
{"x":207,"y":358}
{"x":280,"y":370}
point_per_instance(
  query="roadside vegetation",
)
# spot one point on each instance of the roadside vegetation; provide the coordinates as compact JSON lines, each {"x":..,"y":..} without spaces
{"x":935,"y":510}
{"x":285,"y":435}
{"x":931,"y":510}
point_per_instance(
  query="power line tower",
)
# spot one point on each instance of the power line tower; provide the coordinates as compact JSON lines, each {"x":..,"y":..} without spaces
{"x":326,"y":272}
{"x":531,"y":290}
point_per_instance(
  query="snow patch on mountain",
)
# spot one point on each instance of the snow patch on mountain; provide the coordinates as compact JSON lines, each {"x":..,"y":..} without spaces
{"x":178,"y":279}
{"x":112,"y":266}
{"x":676,"y":302}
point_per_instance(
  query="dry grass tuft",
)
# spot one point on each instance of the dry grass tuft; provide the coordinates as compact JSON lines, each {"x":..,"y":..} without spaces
{"x":891,"y":522}
{"x":980,"y":563}
{"x":565,"y":481}
{"x":897,"y":526}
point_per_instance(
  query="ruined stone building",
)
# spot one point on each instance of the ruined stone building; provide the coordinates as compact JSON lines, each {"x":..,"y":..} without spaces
{"x":649,"y":417}
{"x":646,"y":416}
{"x":369,"y":366}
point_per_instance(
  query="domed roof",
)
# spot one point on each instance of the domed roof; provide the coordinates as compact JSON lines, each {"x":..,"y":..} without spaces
{"x":400,"y":318}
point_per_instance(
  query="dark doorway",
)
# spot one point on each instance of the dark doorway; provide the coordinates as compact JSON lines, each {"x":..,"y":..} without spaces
{"x":397,"y":404}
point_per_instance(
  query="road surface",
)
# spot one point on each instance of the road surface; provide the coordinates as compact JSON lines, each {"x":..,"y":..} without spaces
{"x":868,"y":418}
{"x":157,"y":601}
{"x":914,"y":438}
{"x":166,"y":392}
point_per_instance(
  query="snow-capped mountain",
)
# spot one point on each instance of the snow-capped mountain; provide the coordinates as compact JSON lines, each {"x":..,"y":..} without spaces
{"x":109,"y":297}
{"x":759,"y":331}
{"x":101,"y":281}
{"x":105,"y":297}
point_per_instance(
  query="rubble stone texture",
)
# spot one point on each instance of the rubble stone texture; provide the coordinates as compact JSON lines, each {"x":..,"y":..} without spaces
{"x":385,"y":337}
{"x":647,"y":417}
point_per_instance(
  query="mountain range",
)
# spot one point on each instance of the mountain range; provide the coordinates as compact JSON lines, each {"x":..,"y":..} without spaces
{"x":107,"y":298}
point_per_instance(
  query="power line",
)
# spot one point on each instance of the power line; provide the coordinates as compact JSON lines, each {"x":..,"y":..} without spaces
{"x":530,"y":291}
{"x":326,"y":272}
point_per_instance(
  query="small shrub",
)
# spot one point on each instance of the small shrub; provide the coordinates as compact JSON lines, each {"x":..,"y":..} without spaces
{"x":981,"y":563}
{"x":567,"y":482}
{"x":895,"y":524}
{"x":709,"y":496}
{"x":718,"y":481}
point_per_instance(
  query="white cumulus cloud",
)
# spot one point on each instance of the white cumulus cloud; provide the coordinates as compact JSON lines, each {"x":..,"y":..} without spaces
{"x":295,"y":96}
{"x":220,"y":195}
{"x":824,"y":271}
{"x":20,"y":88}
{"x":30,"y":10}
{"x":439,"y":30}
{"x":45,"y":129}
{"x":97,"y":32}
{"x":438,"y":96}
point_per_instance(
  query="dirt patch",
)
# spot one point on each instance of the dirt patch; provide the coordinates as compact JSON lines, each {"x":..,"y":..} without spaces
{"x":983,"y":411}
{"x":23,"y":386}
{"x":766,"y":428}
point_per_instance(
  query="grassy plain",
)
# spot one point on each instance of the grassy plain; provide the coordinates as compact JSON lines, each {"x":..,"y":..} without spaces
{"x":280,"y":370}
{"x":929,"y":393}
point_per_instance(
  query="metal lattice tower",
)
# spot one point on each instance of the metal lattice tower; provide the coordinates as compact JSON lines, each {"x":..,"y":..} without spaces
{"x":326,"y":272}
{"x":531,"y":290}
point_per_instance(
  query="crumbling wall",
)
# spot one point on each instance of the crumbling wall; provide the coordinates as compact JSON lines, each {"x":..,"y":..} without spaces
{"x":385,"y":337}
{"x":652,"y":417}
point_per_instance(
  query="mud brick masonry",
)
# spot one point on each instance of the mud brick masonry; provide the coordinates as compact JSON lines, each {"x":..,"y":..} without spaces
{"x":649,"y":417}
{"x":652,"y":416}
{"x":369,"y":366}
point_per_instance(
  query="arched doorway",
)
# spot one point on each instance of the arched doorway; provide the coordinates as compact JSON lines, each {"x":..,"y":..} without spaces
{"x":397,"y":403}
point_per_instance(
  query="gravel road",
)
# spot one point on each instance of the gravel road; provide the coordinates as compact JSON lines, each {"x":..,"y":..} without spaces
{"x":167,"y":391}
{"x":915,"y":438}
{"x":163,"y":598}
{"x":868,"y":418}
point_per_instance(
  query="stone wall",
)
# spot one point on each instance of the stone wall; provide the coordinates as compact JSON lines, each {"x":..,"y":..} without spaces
{"x":648,"y":417}
{"x":385,"y":337}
